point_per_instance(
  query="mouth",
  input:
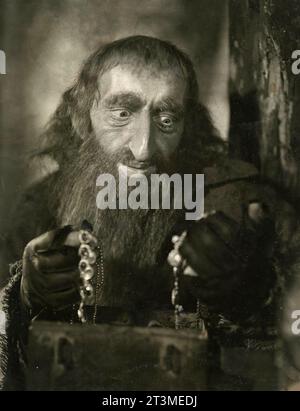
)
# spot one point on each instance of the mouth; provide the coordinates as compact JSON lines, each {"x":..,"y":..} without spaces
{"x":136,"y":168}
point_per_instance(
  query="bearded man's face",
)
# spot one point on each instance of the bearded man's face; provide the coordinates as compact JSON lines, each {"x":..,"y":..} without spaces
{"x":139,"y":118}
{"x":137,"y":123}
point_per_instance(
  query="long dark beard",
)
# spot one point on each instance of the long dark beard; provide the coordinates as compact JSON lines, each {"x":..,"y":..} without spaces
{"x":135,"y":243}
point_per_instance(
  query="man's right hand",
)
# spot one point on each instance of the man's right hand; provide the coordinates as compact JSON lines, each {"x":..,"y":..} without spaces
{"x":50,"y":271}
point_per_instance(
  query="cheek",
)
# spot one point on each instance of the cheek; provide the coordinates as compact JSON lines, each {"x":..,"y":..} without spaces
{"x":110,"y":138}
{"x":167,"y":144}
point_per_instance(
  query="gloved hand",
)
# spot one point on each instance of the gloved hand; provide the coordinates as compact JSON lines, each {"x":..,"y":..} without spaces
{"x":228,"y":264}
{"x":50,"y":270}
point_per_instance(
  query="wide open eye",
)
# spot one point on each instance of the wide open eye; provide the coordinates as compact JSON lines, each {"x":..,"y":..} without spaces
{"x":124,"y":113}
{"x":165,"y":122}
{"x":121,"y":114}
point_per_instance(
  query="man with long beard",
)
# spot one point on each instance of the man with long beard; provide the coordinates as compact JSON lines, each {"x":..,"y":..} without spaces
{"x":135,"y":108}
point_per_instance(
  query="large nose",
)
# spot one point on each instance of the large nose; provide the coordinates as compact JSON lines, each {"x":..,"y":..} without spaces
{"x":142,"y":143}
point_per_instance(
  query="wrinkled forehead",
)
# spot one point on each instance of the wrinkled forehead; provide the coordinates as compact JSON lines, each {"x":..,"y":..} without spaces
{"x":147,"y":81}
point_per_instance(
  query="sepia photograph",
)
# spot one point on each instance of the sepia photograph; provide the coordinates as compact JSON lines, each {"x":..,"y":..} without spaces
{"x":149,"y":198}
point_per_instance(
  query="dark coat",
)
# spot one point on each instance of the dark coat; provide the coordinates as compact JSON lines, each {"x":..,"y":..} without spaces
{"x":229,"y":187}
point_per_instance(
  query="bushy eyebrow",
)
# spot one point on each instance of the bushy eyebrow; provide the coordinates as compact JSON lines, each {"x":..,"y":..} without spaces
{"x":170,"y":105}
{"x":135,"y":101}
{"x":130,"y":100}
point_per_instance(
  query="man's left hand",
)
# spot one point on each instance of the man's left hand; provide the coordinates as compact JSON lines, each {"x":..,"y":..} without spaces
{"x":224,"y":258}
